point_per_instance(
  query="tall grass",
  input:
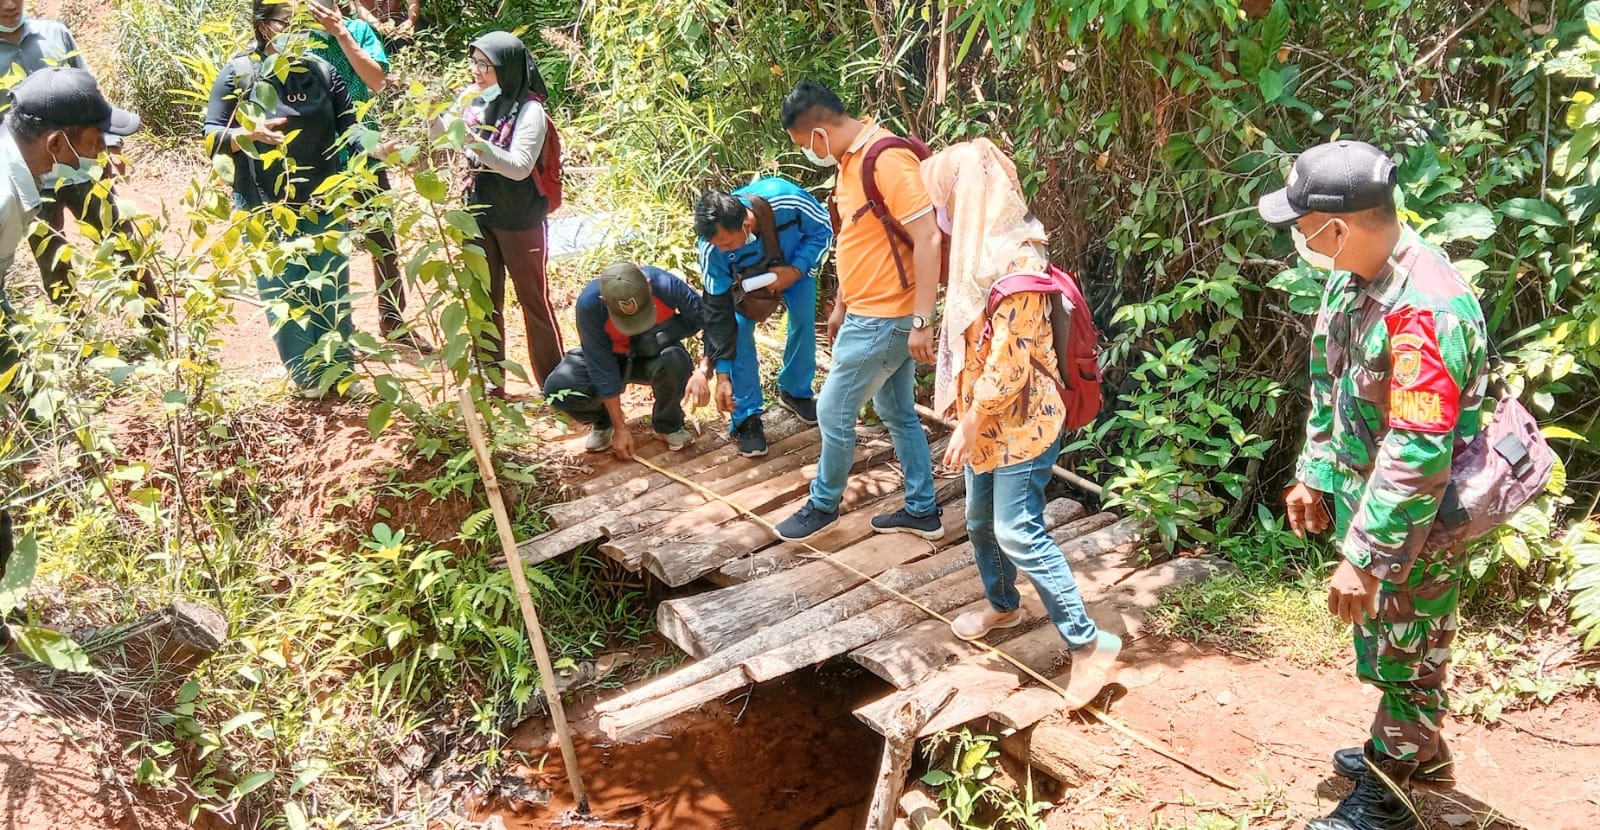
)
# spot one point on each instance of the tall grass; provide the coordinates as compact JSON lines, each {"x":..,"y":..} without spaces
{"x":148,"y":35}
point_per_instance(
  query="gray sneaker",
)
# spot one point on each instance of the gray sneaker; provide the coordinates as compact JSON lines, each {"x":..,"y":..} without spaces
{"x":599,"y":440}
{"x":678,"y":441}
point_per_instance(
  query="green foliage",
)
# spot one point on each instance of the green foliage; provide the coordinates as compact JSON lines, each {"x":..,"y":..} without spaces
{"x":966,"y":785}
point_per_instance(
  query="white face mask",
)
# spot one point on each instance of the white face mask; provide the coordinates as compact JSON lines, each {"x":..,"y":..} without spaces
{"x":942,"y":218}
{"x":83,"y":168}
{"x":489,"y":94}
{"x":751,"y":238}
{"x":11,"y":30}
{"x":1314,"y":258}
{"x":811,"y":154}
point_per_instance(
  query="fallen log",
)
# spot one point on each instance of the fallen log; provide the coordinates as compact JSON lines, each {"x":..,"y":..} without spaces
{"x":170,"y":642}
{"x":1060,"y":751}
{"x":711,"y":621}
{"x":899,"y":742}
{"x":611,"y":471}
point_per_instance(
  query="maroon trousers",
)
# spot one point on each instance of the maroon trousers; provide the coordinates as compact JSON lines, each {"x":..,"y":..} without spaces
{"x":521,"y":256}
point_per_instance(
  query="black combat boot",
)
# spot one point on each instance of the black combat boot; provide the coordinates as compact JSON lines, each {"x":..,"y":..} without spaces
{"x":1439,"y":771}
{"x":1379,"y":801}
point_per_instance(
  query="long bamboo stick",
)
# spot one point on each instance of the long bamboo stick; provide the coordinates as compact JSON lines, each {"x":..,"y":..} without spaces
{"x":530,"y":617}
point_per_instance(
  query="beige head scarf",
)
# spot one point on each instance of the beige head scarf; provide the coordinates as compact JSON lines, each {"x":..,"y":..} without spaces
{"x":992,"y":234}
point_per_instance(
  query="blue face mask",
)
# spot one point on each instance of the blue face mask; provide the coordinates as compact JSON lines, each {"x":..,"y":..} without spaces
{"x":11,"y":30}
{"x":489,"y":94}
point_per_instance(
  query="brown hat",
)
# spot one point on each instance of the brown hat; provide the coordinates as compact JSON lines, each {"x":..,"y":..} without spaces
{"x":626,"y":291}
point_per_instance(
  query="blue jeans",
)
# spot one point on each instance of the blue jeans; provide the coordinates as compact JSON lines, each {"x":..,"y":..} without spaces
{"x":1005,"y":522}
{"x":314,"y":290}
{"x":799,"y":353}
{"x":871,"y":358}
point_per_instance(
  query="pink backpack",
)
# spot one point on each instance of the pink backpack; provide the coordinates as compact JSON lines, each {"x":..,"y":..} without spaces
{"x":1077,"y":371}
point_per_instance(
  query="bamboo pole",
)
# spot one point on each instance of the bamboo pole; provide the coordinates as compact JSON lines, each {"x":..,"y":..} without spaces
{"x":530,"y":617}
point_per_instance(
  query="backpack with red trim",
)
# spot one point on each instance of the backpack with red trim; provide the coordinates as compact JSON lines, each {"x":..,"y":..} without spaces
{"x":876,"y":205}
{"x":1077,"y":370}
{"x":547,"y":170}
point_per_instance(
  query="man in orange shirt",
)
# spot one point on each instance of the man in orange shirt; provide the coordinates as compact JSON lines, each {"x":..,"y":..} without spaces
{"x":882,"y":318}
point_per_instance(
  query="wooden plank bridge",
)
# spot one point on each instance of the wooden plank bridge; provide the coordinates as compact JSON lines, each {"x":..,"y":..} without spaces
{"x":770,"y":608}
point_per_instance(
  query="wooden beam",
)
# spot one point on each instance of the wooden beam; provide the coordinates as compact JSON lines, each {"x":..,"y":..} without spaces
{"x":1061,"y":751}
{"x":899,"y":742}
{"x":921,"y":812}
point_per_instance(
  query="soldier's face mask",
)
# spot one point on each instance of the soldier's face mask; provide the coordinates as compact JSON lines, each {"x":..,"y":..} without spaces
{"x":1316,"y":259}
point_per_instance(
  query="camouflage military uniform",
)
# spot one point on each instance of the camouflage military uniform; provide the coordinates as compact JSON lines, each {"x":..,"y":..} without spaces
{"x":1397,"y":379}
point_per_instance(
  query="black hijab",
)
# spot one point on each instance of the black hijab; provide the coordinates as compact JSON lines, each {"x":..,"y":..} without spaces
{"x":516,"y":70}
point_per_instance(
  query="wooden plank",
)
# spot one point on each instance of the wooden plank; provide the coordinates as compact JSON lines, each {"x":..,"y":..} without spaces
{"x":609,"y":471}
{"x":847,"y":606}
{"x":713,"y":620}
{"x":649,"y":712}
{"x":618,"y":488}
{"x":854,"y":525}
{"x":939,"y":582}
{"x":660,"y":528}
{"x":904,"y":659}
{"x":685,"y":557}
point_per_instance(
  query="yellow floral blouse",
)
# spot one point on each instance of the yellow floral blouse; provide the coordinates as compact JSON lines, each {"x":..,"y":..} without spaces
{"x":1021,"y":409}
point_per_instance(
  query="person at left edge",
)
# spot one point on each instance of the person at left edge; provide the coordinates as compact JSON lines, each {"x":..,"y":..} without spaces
{"x":31,"y":44}
{"x":633,"y":326}
{"x":57,"y":117}
{"x":731,"y":248}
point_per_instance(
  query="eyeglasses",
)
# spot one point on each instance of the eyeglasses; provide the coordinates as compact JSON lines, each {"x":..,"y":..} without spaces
{"x":480,"y":64}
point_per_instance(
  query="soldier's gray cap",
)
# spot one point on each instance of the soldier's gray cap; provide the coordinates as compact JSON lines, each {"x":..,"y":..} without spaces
{"x":1337,"y":177}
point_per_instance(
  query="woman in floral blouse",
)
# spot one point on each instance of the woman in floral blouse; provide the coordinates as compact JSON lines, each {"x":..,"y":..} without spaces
{"x":1009,"y":412}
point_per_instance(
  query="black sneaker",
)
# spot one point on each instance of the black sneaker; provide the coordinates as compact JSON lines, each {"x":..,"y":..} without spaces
{"x":752,"y":437}
{"x":807,"y":522}
{"x":900,"y":521}
{"x":803,"y":408}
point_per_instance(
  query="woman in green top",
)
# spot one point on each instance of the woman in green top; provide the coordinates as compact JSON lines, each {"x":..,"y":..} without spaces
{"x":356,"y":52}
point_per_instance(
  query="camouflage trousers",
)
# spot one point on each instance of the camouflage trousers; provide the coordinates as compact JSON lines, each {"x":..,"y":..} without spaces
{"x":1405,"y":654}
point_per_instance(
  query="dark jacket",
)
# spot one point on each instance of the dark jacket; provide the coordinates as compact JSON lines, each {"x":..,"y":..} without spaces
{"x":680,"y":314}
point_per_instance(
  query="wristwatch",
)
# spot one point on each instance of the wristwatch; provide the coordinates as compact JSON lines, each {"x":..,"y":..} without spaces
{"x":918,"y":322}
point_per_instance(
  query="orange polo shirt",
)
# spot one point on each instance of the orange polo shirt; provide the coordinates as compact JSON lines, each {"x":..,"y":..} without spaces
{"x":869,"y":283}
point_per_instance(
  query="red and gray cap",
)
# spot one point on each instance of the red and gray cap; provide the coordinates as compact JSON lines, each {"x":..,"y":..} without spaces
{"x":626,"y":291}
{"x":1337,"y":177}
{"x":63,"y":96}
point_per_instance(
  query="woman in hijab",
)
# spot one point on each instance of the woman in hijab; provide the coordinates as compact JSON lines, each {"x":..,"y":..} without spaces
{"x":1009,"y":413}
{"x":307,"y":296}
{"x":507,"y":126}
